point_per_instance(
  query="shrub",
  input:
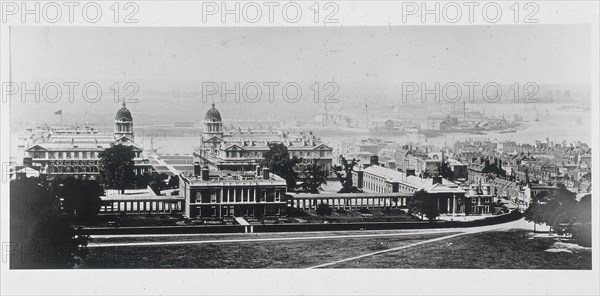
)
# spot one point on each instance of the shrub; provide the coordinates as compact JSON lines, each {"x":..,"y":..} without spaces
{"x":364,"y":211}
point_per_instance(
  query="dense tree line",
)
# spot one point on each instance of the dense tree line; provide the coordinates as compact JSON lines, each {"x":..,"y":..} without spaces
{"x":80,"y":199}
{"x":563,"y":213}
{"x":43,"y":216}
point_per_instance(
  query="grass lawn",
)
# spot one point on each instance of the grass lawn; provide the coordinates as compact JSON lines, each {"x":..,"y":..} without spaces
{"x":516,"y":249}
{"x":265,"y":235}
{"x":269,"y":254}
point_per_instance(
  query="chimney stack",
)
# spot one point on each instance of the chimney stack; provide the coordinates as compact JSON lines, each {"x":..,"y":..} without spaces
{"x":27,"y":162}
{"x":266,"y":174}
{"x":374,"y":160}
{"x":196,"y":169}
{"x":359,"y":179}
{"x":205,"y":173}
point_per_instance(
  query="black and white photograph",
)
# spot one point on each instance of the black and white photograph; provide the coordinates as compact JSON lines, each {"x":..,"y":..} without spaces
{"x":305,"y":148}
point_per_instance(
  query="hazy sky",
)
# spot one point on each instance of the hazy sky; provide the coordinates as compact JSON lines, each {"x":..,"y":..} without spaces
{"x":540,"y":53}
{"x":368,"y":64}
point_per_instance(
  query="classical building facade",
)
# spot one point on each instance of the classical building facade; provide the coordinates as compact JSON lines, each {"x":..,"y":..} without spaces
{"x":243,"y":150}
{"x":228,"y":194}
{"x":378,"y":179}
{"x":75,"y":151}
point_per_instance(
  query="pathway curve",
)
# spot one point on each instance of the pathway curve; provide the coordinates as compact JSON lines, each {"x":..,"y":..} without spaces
{"x":519,"y":224}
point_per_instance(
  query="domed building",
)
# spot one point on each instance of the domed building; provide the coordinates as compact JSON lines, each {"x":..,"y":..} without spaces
{"x":243,"y":151}
{"x":75,"y":151}
{"x":124,"y":124}
{"x":212,"y":135}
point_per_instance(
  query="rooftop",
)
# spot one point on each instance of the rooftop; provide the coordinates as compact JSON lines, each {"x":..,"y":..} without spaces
{"x":423,"y":183}
{"x":234,"y":178}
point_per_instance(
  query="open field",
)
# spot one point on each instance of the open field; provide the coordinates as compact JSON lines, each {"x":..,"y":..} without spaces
{"x":507,"y":249}
{"x":266,"y":254}
{"x":516,"y":249}
{"x":510,"y":245}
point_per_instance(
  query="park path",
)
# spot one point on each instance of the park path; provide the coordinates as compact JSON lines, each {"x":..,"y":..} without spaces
{"x":455,"y":231}
{"x":387,"y":251}
{"x":519,"y":224}
{"x":296,"y":238}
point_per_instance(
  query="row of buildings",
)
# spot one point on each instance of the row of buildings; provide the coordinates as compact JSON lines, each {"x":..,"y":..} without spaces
{"x":75,"y":151}
{"x":227,"y":180}
{"x":242,"y":150}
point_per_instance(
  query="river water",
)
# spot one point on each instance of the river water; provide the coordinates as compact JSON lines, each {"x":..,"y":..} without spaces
{"x":556,"y":123}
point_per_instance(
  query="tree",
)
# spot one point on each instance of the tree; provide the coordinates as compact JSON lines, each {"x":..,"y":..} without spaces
{"x":41,"y":236}
{"x":80,"y":198}
{"x":323,"y":210}
{"x":558,"y":209}
{"x":314,"y":178}
{"x":143,"y":180}
{"x":117,"y":167}
{"x":535,"y":212}
{"x":582,"y":230}
{"x":424,"y":204}
{"x":174,"y":182}
{"x":157,"y":184}
{"x":278,"y":160}
{"x":344,"y":175}
{"x":445,"y":171}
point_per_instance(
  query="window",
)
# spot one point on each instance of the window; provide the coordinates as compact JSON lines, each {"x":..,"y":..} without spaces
{"x":198,"y":196}
{"x":277,"y":196}
{"x":213,"y":197}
